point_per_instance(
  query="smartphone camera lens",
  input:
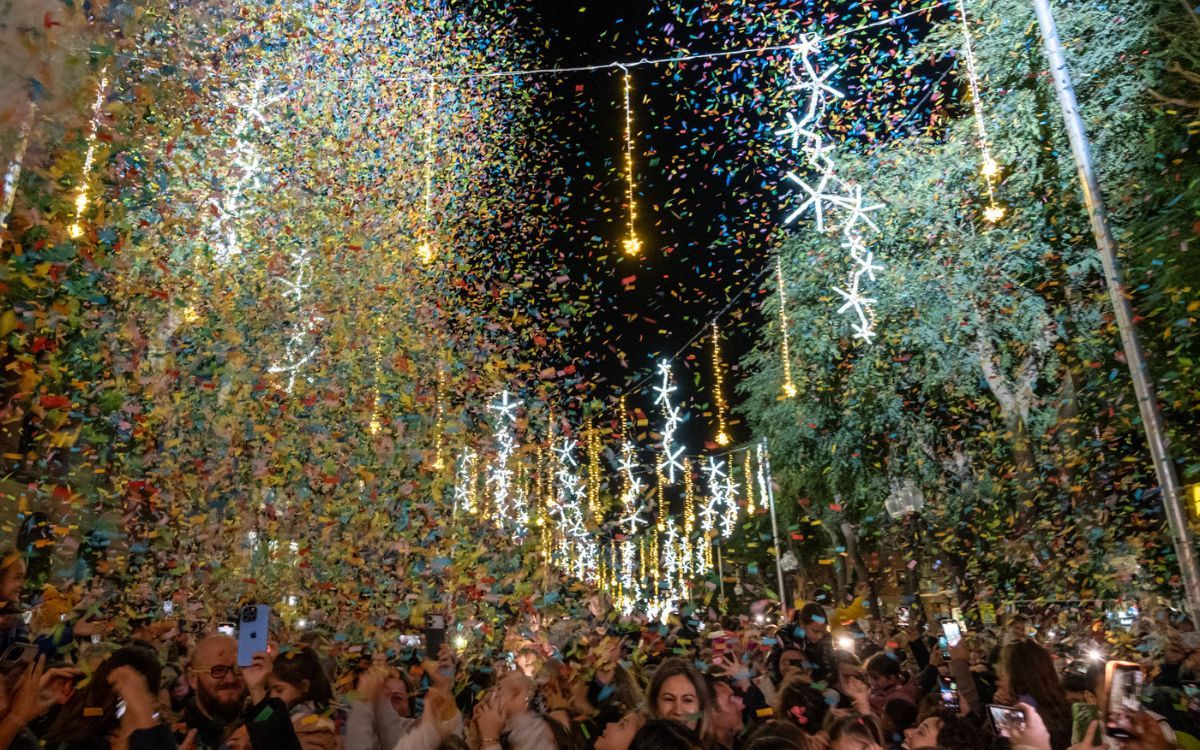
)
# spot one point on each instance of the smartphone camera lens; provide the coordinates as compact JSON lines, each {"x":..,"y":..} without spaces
{"x":249,"y":614}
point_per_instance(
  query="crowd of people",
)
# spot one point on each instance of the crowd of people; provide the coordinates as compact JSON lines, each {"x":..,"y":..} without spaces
{"x":808,"y":680}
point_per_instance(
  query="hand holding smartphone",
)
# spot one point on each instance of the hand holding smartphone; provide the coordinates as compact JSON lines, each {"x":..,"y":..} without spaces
{"x":1122,"y":698}
{"x":1006,"y":719}
{"x":435,"y":634}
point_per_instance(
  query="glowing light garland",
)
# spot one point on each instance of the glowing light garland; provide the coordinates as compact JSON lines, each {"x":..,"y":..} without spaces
{"x":789,"y":388}
{"x":464,"y":483}
{"x":716,"y":494}
{"x":631,"y":508}
{"x":632,"y":244}
{"x":500,"y":474}
{"x":593,"y":473}
{"x":81,"y":197}
{"x":830,"y":196}
{"x":670,"y":454}
{"x":426,"y":249}
{"x":297,"y":351}
{"x":577,"y":550}
{"x":248,"y":162}
{"x":729,"y":514}
{"x":990,"y":171}
{"x":719,"y":388}
{"x":748,"y":479}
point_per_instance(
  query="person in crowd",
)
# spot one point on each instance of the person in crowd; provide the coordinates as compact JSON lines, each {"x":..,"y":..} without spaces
{"x":816,"y":642}
{"x":298,"y":679}
{"x":678,"y":692}
{"x":727,"y":719}
{"x":1027,"y":675}
{"x":666,"y":734}
{"x":117,"y":709}
{"x":888,"y":682}
{"x":220,"y":689}
{"x":801,"y":704}
{"x":856,"y":731}
{"x":618,"y":735}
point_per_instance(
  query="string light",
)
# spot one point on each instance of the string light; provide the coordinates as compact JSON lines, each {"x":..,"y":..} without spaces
{"x":989,"y":169}
{"x":671,"y":414}
{"x":593,"y":471}
{"x":297,"y":352}
{"x":729,"y":506}
{"x":748,"y":479}
{"x":789,"y":388}
{"x":718,"y":387}
{"x":716,"y":493}
{"x":464,"y":482}
{"x":426,"y":249}
{"x":500,"y":474}
{"x":633,"y":246}
{"x":81,"y":197}
{"x":229,"y":211}
{"x":439,"y":428}
{"x":689,"y":519}
{"x":830,"y":196}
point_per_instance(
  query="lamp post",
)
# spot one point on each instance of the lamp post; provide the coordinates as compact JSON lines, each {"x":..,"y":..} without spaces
{"x":904,"y":503}
{"x":1135,"y":357}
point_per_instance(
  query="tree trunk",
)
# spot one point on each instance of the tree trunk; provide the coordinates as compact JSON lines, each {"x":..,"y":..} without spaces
{"x":860,"y":567}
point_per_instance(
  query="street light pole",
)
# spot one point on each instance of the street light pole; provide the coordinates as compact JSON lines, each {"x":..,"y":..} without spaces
{"x":1152,"y":421}
{"x":764,"y":462}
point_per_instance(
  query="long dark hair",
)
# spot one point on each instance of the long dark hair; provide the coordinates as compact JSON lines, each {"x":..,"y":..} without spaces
{"x":1031,"y":672}
{"x":76,"y":724}
{"x":665,"y":734}
{"x":300,"y":664}
{"x":675,"y":667}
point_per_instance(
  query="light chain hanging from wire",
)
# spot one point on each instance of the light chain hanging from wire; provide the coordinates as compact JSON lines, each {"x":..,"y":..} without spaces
{"x":989,"y":169}
{"x":837,"y":206}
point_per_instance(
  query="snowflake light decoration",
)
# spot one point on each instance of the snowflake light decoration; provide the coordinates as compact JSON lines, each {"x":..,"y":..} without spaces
{"x":500,"y":474}
{"x":297,"y":349}
{"x":837,"y":206}
{"x":464,"y":482}
{"x":671,"y":454}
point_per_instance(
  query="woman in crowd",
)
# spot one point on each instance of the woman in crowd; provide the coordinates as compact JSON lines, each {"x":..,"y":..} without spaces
{"x":680,"y":693}
{"x":1027,"y":675}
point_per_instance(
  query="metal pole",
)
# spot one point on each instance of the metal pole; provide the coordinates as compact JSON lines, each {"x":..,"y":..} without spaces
{"x":720,"y":580}
{"x":764,"y":464}
{"x":1143,"y":386}
{"x":12,"y":175}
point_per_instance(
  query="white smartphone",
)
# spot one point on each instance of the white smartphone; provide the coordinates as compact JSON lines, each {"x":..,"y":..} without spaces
{"x":254,"y":629}
{"x":952,"y":632}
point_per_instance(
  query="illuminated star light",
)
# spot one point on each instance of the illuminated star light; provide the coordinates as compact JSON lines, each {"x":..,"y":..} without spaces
{"x":729,"y":502}
{"x":499,"y":474}
{"x":464,"y":483}
{"x":836,"y":205}
{"x":670,"y":462}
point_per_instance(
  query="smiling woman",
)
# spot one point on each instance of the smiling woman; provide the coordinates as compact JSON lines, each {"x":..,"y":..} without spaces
{"x":679,"y":693}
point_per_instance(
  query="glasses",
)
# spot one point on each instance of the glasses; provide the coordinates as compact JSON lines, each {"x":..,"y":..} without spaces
{"x":219,"y":672}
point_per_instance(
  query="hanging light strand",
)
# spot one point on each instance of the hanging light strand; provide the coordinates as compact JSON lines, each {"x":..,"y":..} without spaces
{"x":719,"y":388}
{"x":789,"y":388}
{"x":633,"y":245}
{"x":990,"y":170}
{"x":426,"y":250}
{"x":81,"y":197}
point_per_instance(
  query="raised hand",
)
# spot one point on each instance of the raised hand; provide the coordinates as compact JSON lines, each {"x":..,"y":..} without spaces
{"x":255,"y":676}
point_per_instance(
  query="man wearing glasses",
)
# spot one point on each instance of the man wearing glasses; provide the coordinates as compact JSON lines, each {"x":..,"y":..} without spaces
{"x":219,"y":703}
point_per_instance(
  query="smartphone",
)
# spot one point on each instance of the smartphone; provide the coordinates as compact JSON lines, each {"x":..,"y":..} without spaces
{"x":409,"y":641}
{"x":435,"y":634}
{"x":903,"y":617}
{"x":950,"y":700}
{"x":254,"y":628}
{"x":227,"y":628}
{"x":952,"y":632}
{"x":1122,"y":698}
{"x":1005,"y":719}
{"x":19,"y":656}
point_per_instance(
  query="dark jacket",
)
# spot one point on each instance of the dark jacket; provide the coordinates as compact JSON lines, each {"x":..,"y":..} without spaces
{"x":267,"y":723}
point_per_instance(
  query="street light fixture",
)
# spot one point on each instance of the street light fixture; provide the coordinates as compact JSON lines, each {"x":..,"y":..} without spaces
{"x":905,"y":499}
